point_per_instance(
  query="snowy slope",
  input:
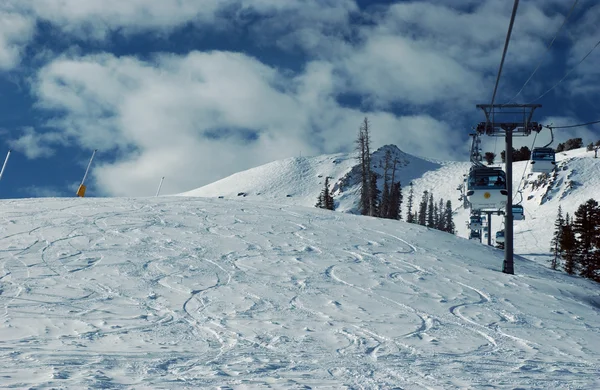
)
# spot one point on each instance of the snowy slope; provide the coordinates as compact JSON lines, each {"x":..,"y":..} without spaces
{"x":293,"y":181}
{"x":178,"y":292}
{"x":303,"y":179}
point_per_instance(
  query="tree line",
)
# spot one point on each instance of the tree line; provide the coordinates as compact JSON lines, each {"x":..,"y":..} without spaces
{"x":524,"y":153}
{"x":387,"y":203}
{"x":435,"y":215}
{"x":576,"y":241}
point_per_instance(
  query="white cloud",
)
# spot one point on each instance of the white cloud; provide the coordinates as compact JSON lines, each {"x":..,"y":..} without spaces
{"x":36,"y":145}
{"x":15,"y":31}
{"x":189,"y":117}
{"x":94,"y":19}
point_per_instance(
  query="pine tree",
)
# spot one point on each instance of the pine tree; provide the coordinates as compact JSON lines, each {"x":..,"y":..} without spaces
{"x":555,"y":243}
{"x":422,"y":215}
{"x":373,"y":195}
{"x":364,"y":160}
{"x":585,"y":225}
{"x":410,"y":218}
{"x":329,"y":203}
{"x":436,"y":215}
{"x":320,"y":201}
{"x":430,"y":212}
{"x":395,"y":202}
{"x":568,"y":245}
{"x":448,"y":220}
{"x":325,"y":199}
{"x":385,"y":194}
{"x":441,"y":215}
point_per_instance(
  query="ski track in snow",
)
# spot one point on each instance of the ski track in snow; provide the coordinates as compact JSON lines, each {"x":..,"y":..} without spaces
{"x":181,"y":293}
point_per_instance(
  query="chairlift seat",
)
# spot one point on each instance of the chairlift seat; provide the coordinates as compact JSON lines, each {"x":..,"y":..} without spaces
{"x":517,"y":212}
{"x":543,"y":160}
{"x":500,"y":236}
{"x":486,"y":188}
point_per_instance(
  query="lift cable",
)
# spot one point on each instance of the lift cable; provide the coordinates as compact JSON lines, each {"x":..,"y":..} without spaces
{"x":524,"y":171}
{"x":567,"y":74}
{"x":510,"y":27}
{"x":571,"y":126}
{"x":547,"y":50}
{"x":551,"y":139}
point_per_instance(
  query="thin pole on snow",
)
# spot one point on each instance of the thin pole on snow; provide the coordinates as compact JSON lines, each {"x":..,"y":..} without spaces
{"x":160,"y":185}
{"x":82,"y":188}
{"x":4,"y":166}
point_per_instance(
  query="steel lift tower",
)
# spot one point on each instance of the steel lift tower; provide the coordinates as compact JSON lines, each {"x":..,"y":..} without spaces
{"x":522,"y":127}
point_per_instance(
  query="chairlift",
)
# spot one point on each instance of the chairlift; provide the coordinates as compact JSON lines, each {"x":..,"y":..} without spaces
{"x":500,"y":236}
{"x":517,"y":212}
{"x":486,"y":188}
{"x":475,"y":222}
{"x":543,"y":160}
{"x":475,"y":235}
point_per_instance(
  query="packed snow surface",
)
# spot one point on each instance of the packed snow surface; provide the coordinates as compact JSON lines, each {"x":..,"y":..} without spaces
{"x":214,"y":293}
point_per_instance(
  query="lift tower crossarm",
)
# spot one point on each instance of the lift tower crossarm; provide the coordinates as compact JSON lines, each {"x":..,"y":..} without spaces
{"x":489,"y":109}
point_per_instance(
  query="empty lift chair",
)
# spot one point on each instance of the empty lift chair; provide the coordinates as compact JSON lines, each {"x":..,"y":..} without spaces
{"x":517,"y":212}
{"x":543,"y":160}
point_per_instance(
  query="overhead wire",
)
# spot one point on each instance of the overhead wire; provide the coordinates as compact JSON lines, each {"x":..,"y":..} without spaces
{"x":510,"y":27}
{"x":506,"y":42}
{"x":524,"y":171}
{"x":547,"y":50}
{"x":571,"y":126}
{"x":567,"y":74}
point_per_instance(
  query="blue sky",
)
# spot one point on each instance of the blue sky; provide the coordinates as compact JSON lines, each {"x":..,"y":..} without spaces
{"x":195,"y":90}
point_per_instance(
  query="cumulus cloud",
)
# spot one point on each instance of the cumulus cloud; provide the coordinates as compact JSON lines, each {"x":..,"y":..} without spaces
{"x":35,"y":145}
{"x":91,"y":19}
{"x":199,"y":117}
{"x":15,"y":31}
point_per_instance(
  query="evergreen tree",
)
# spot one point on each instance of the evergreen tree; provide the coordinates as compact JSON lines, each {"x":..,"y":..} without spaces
{"x":385,"y":194}
{"x":586,"y":226}
{"x":422,"y":215}
{"x":373,"y":195}
{"x":410,"y":218}
{"x":364,"y":160}
{"x":448,"y":220}
{"x":430,"y":212}
{"x":325,"y":199}
{"x":440,"y":216}
{"x":555,"y":243}
{"x":329,"y":203}
{"x":568,"y":245}
{"x":320,"y":201}
{"x":395,"y":202}
{"x":396,"y":195}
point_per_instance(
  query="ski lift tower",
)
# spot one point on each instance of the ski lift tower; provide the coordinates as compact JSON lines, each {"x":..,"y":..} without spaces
{"x":520,"y":126}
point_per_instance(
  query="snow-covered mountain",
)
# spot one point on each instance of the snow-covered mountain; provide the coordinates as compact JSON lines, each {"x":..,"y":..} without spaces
{"x":194,"y":293}
{"x":298,"y":181}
